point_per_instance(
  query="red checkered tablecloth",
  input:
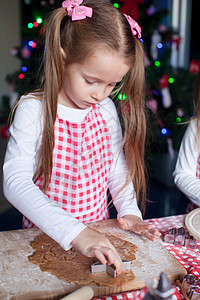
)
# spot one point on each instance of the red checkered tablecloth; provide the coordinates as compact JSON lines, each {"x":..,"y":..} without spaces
{"x":190,"y":259}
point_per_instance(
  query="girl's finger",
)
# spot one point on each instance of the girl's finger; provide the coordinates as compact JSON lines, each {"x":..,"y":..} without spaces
{"x":112,"y":258}
{"x":100,"y":256}
{"x":148,"y":235}
{"x":139,"y":228}
{"x":155,"y":232}
{"x":107,"y":255}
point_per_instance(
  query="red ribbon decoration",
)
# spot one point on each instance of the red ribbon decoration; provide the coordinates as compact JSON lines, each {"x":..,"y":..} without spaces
{"x":164,"y":81}
{"x":130,"y":7}
{"x":194,"y":66}
{"x":177,"y":41}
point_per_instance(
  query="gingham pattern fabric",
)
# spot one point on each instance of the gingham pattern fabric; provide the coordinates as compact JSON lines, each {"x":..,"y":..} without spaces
{"x":82,"y":160}
{"x":191,"y":205}
{"x":189,"y":258}
{"x":198,"y":168}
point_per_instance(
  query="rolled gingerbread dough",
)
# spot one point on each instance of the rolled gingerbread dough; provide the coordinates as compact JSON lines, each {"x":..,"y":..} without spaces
{"x":73,"y":267}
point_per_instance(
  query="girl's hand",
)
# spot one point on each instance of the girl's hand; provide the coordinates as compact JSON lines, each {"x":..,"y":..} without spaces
{"x":92,"y":244}
{"x":135,"y":224}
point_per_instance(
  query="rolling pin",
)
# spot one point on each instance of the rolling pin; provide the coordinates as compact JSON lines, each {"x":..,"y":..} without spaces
{"x":84,"y":293}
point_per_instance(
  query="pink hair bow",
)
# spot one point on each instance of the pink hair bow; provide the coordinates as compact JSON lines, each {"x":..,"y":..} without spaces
{"x":75,"y":11}
{"x":135,"y":28}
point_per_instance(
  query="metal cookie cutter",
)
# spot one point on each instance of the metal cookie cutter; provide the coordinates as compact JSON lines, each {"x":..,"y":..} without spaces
{"x":98,"y":267}
{"x":181,"y":237}
{"x":191,"y":286}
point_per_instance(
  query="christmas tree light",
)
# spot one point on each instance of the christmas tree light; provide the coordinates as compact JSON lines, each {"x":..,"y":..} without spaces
{"x":122,"y":97}
{"x":30,"y":25}
{"x":157,"y":63}
{"x":32,"y":44}
{"x":171,"y":80}
{"x":159,"y":45}
{"x":21,"y":76}
{"x":116,"y":5}
{"x":24,"y":69}
{"x":35,"y":24}
{"x":164,"y":131}
{"x":39,"y":20}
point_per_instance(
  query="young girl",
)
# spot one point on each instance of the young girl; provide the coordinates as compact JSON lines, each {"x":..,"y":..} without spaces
{"x":187,"y":170}
{"x":65,"y":149}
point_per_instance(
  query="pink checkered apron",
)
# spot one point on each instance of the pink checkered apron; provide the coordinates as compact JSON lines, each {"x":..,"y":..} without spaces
{"x":82,"y":160}
{"x":191,"y":205}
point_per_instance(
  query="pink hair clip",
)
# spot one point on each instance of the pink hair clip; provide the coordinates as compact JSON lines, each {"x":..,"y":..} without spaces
{"x":135,"y":28}
{"x":75,"y":11}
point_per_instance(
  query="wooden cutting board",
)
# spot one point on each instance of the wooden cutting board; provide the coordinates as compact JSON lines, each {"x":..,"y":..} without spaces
{"x":192,"y":223}
{"x":20,"y":279}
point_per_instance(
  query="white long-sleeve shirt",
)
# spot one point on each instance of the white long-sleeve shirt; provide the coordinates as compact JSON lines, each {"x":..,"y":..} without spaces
{"x":21,"y":162}
{"x":185,"y":171}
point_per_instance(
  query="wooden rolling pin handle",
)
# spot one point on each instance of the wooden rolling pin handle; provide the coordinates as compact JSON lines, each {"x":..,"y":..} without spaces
{"x":84,"y":293}
{"x":182,"y":290}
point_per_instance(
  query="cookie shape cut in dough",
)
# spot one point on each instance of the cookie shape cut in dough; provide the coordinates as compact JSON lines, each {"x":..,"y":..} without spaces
{"x":75,"y":268}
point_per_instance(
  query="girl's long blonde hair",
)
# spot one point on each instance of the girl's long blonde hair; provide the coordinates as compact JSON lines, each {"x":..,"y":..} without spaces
{"x":108,"y":28}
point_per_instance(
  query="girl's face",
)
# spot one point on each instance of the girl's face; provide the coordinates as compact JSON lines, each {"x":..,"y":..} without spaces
{"x":93,"y":80}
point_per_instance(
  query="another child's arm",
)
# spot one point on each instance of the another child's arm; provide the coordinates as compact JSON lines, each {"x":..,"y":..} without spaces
{"x":185,"y":171}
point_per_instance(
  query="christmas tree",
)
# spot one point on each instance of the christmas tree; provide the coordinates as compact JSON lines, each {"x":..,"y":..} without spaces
{"x":169,"y":92}
{"x":30,"y":51}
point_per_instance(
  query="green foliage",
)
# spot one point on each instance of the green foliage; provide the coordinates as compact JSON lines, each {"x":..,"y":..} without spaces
{"x":181,"y":90}
{"x":30,"y":57}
